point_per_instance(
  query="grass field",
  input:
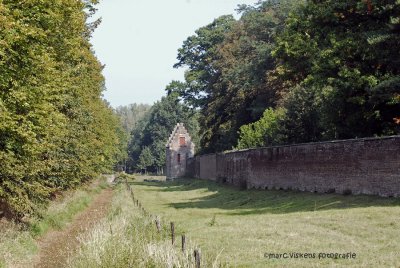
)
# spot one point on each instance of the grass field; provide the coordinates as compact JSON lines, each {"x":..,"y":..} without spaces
{"x":245,"y":225}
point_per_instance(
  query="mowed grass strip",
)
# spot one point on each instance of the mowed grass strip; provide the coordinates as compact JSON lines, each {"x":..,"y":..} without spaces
{"x":245,"y":225}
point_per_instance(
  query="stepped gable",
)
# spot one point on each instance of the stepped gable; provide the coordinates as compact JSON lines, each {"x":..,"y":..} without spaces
{"x":171,"y":137}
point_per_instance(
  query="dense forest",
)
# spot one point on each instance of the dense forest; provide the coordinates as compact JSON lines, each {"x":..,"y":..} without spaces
{"x":56,"y":131}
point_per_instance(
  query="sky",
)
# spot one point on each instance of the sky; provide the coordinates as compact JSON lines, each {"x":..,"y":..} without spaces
{"x":138,"y":42}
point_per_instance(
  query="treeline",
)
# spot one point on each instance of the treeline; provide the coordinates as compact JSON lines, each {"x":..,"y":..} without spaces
{"x":294,"y":71}
{"x":55,"y":129}
{"x":149,"y":136}
{"x":130,"y":115}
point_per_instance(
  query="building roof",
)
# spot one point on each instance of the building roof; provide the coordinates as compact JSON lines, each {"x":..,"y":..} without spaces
{"x":171,"y":137}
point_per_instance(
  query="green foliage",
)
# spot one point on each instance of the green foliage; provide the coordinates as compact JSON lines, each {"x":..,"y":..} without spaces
{"x":333,"y":66}
{"x":229,"y":77}
{"x":131,"y":114}
{"x":153,"y":130}
{"x":302,"y":122}
{"x":55,"y":130}
{"x":146,"y":159}
{"x":264,"y":132}
{"x":199,"y":53}
{"x":352,"y":48}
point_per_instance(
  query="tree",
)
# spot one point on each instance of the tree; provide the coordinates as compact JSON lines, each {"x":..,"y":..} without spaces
{"x":199,"y":53}
{"x":247,"y":86}
{"x":234,"y":82}
{"x":265,"y":132}
{"x":348,"y":51}
{"x":145,"y":159}
{"x":131,"y":114}
{"x":55,"y":130}
{"x":303,"y":117}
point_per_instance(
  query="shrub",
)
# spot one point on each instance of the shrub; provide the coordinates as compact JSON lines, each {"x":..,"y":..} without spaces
{"x":266,"y":131}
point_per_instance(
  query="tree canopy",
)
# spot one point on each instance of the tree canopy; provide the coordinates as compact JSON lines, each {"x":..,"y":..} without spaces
{"x":131,"y":114}
{"x":347,"y":52}
{"x":331,"y":69}
{"x":55,"y":130}
{"x":229,"y":64}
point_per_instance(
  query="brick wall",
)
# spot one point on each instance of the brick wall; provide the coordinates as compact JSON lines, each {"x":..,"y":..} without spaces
{"x":360,"y":166}
{"x":208,"y":167}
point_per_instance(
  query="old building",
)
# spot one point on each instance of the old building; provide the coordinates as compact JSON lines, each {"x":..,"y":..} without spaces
{"x":178,"y":149}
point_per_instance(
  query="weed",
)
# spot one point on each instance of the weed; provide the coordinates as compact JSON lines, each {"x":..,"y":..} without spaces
{"x":213,"y":221}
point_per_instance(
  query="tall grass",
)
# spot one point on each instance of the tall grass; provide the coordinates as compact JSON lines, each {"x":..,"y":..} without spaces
{"x":17,"y":244}
{"x":129,"y":238}
{"x":18,"y":241}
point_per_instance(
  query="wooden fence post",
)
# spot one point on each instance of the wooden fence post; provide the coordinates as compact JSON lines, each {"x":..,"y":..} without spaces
{"x":173,"y":233}
{"x":158,"y":224}
{"x":126,"y":183}
{"x":197,"y":258}
{"x":132,"y":195}
{"x":183,"y":243}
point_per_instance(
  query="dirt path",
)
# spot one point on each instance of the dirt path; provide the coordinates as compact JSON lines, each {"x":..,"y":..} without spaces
{"x":56,"y":246}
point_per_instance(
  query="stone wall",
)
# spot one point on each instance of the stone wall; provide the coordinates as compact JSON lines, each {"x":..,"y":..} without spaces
{"x":359,"y":166}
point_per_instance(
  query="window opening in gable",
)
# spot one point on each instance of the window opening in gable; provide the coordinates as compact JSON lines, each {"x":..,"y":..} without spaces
{"x":182,"y":141}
